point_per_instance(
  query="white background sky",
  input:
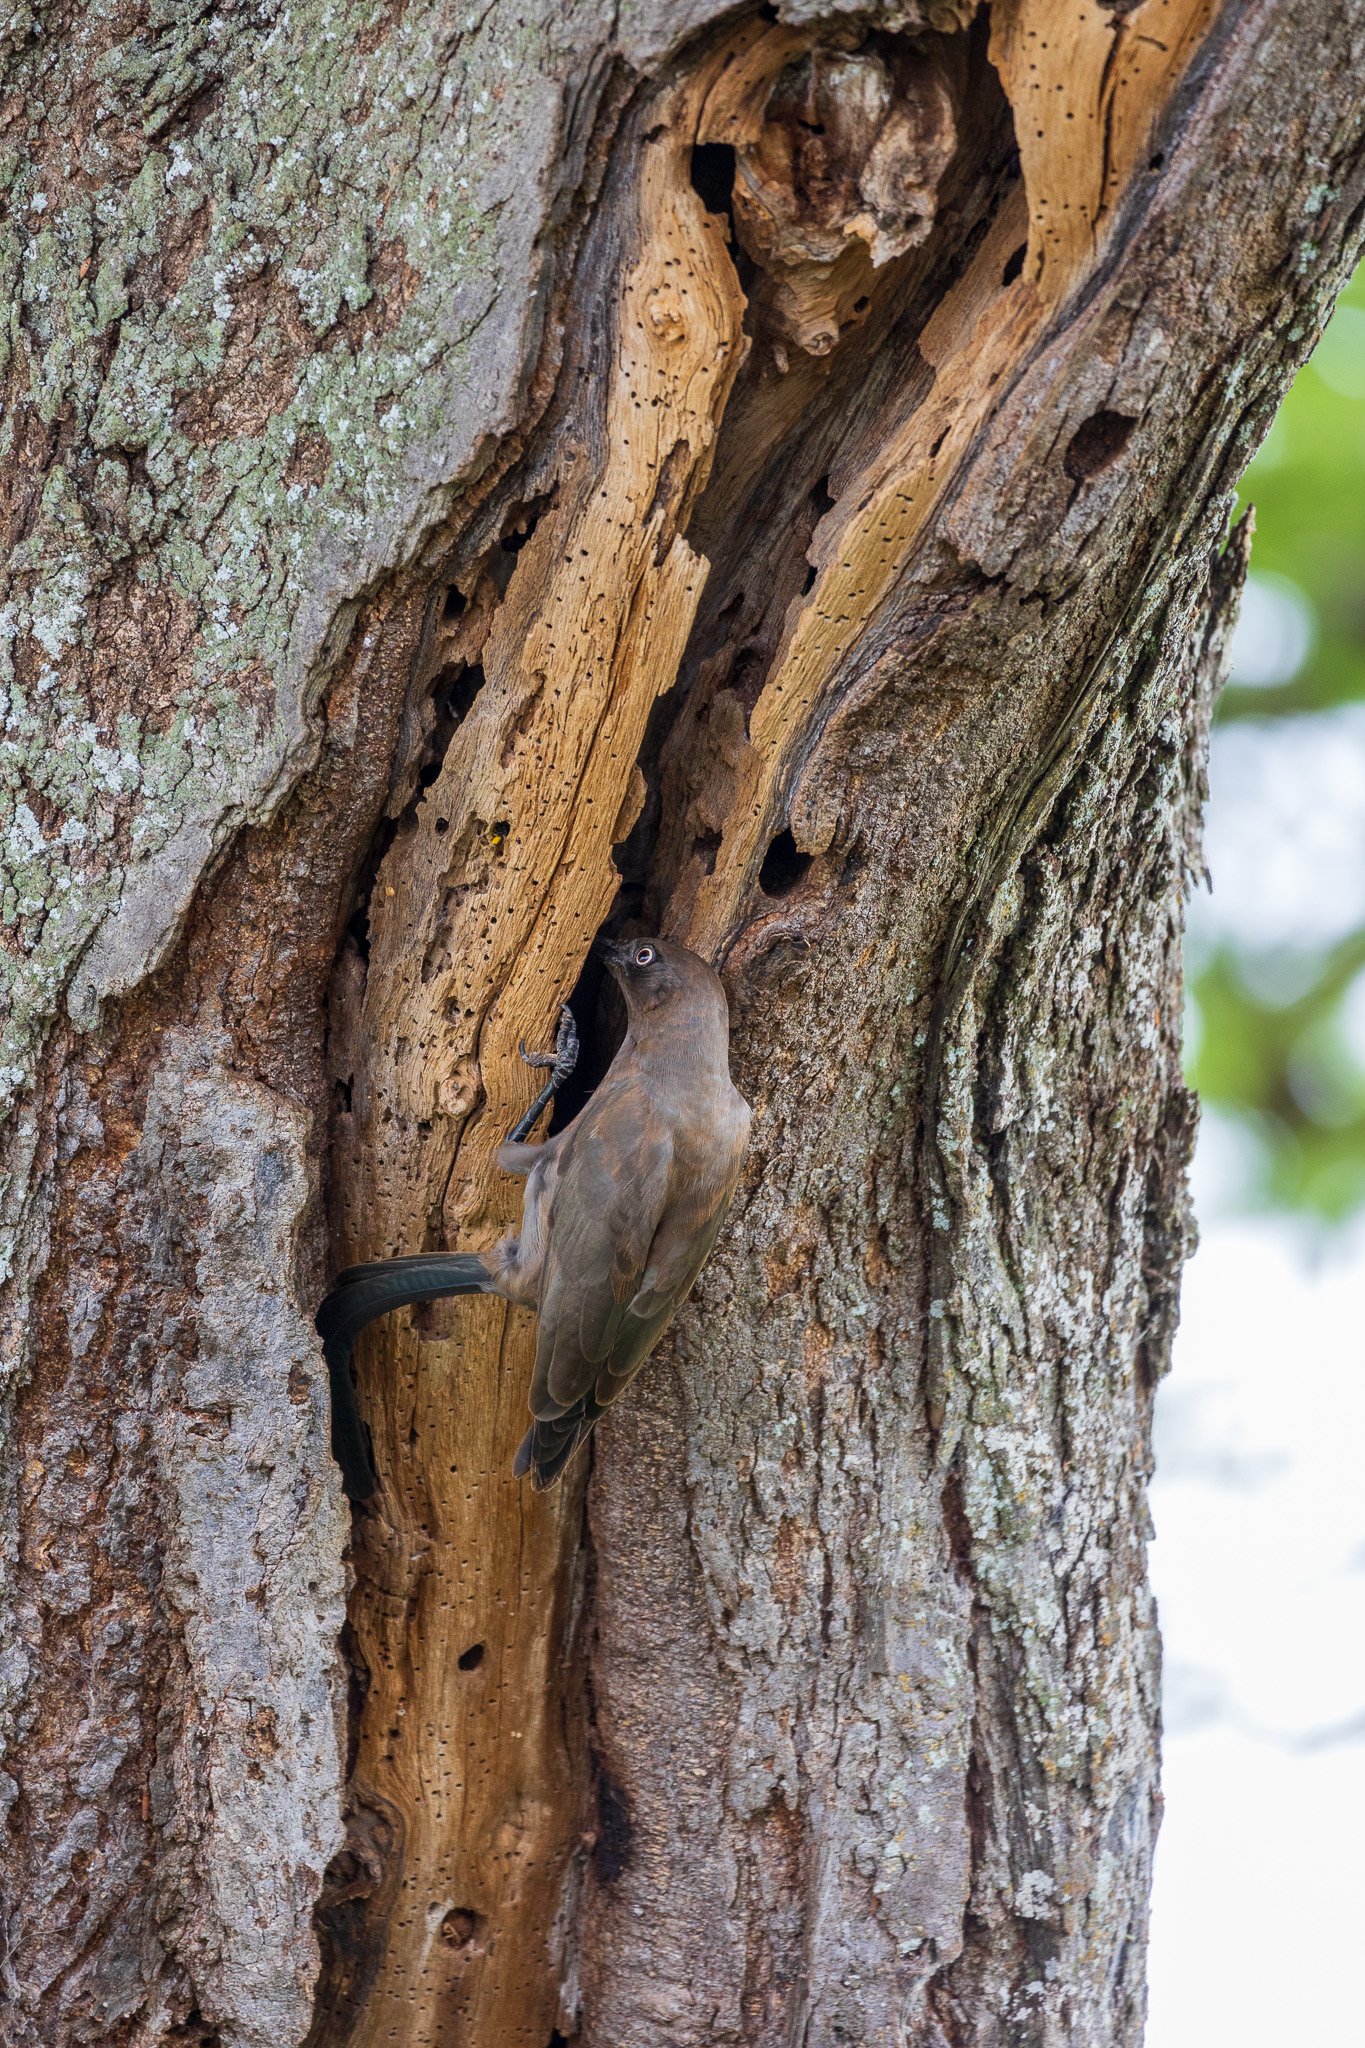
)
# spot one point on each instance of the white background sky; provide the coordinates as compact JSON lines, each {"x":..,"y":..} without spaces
{"x":1258,"y":1932}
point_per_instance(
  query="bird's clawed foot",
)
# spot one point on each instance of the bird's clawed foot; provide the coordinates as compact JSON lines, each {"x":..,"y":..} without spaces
{"x":564,"y":1058}
{"x":561,"y":1063}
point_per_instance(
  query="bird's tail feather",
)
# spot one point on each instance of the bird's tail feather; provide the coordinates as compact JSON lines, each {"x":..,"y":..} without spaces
{"x":549,"y":1444}
{"x":360,"y":1294}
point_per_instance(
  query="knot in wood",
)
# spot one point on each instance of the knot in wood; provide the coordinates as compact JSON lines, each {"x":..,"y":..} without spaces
{"x":462,"y":1089}
{"x":842,"y":177}
{"x":665,"y":314}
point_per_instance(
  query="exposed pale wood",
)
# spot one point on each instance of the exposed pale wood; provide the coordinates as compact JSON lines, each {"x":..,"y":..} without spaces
{"x":1087,"y":83}
{"x":310,"y":327}
{"x":480,"y":919}
{"x":479,"y":923}
{"x":1076,"y":169}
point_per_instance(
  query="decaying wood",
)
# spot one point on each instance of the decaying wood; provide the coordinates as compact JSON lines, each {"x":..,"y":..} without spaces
{"x":479,"y":921}
{"x":760,"y":473}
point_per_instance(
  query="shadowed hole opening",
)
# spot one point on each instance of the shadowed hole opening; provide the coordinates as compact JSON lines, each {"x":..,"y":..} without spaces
{"x":615,"y":1829}
{"x":1015,"y":266}
{"x":460,"y":1926}
{"x":358,"y":923}
{"x":706,"y":846}
{"x":783,"y":866}
{"x":600,"y":1014}
{"x":748,"y":675}
{"x":1096,"y":443}
{"x":453,"y":694}
{"x":820,"y":503}
{"x":713,"y":175}
{"x":470,"y":1659}
{"x":501,"y":563}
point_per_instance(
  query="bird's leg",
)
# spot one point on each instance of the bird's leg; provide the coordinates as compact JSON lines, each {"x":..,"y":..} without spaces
{"x":561,"y":1063}
{"x":361,"y":1293}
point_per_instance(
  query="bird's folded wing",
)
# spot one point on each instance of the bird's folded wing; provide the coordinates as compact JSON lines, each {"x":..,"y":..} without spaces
{"x":611,"y":1192}
{"x":666,"y":1282}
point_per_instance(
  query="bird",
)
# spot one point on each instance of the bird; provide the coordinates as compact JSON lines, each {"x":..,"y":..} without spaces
{"x":619,"y":1215}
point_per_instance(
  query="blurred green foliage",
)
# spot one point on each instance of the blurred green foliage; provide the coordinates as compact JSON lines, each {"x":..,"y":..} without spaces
{"x":1277,"y":1037}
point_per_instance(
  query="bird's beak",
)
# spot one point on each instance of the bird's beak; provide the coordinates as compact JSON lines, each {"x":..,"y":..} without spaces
{"x":616,"y":955}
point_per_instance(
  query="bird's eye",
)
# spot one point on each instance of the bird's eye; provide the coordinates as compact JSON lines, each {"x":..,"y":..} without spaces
{"x":643,"y":955}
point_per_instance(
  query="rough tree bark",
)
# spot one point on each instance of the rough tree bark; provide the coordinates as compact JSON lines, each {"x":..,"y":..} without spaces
{"x":471,"y":475}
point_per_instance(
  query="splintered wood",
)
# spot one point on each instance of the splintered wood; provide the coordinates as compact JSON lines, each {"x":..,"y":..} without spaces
{"x":470,"y":1770}
{"x":1075,"y":171}
{"x":1086,"y":83}
{"x":479,"y":921}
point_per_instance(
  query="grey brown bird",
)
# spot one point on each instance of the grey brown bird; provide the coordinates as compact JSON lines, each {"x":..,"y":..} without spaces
{"x":620,"y":1211}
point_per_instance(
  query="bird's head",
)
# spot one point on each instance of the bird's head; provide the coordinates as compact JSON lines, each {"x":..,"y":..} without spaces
{"x":657,"y":977}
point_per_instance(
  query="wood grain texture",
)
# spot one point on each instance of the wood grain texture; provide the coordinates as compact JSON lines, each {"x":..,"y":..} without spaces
{"x":594,"y":598}
{"x":434,"y":524}
{"x":1074,"y":171}
{"x":1088,"y":84}
{"x":889,"y":1470}
{"x":479,"y":922}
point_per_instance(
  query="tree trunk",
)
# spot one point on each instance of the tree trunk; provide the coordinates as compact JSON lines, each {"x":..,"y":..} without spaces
{"x":760,"y":474}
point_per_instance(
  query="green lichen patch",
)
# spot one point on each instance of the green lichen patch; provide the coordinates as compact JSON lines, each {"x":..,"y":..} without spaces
{"x":268,"y":292}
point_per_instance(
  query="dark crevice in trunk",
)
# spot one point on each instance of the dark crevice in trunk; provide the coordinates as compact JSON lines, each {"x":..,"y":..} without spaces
{"x":601,"y":1019}
{"x":769,"y":490}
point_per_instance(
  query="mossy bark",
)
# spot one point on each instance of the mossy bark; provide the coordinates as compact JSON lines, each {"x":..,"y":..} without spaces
{"x":470,"y":476}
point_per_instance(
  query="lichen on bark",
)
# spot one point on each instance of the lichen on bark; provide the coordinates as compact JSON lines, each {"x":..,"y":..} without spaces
{"x":272,"y":292}
{"x":306,"y":381}
{"x":275,"y":288}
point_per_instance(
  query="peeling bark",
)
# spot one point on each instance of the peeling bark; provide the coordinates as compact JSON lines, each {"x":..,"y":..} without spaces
{"x":470,"y":480}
